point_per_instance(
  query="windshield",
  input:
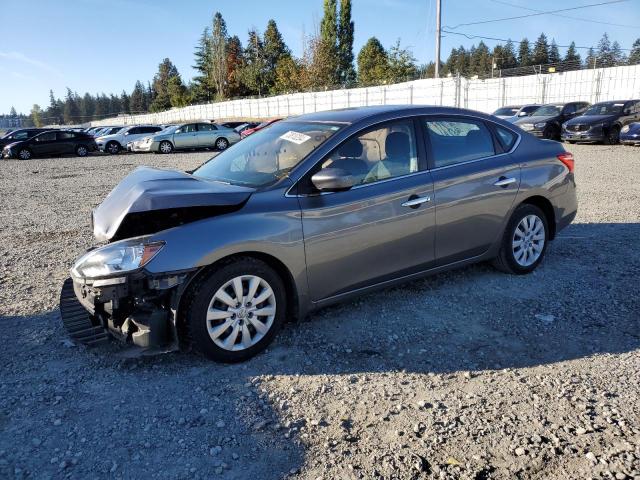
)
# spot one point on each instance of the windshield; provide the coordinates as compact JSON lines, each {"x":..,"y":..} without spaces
{"x":506,"y":111}
{"x":609,"y":108}
{"x":547,"y":111}
{"x":267,"y":155}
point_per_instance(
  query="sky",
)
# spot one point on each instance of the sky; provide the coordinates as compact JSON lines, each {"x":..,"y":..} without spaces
{"x":106,"y":45}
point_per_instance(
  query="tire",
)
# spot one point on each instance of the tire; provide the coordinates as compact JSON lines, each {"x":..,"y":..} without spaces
{"x":25,"y":154}
{"x":221,"y":336}
{"x":613,"y":136}
{"x":165,"y":147}
{"x":222,"y":144}
{"x":82,"y":151}
{"x":113,"y":148}
{"x":513,"y":259}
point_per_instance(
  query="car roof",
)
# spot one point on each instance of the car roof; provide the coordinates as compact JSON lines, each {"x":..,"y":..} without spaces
{"x":357,"y":114}
{"x":617,"y":101}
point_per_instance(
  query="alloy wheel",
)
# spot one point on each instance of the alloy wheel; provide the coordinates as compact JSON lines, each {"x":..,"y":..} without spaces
{"x":528,"y":240}
{"x":113,"y":148}
{"x":165,"y":147}
{"x":24,"y":154}
{"x":222,"y":144}
{"x":82,"y":151}
{"x":241,"y":312}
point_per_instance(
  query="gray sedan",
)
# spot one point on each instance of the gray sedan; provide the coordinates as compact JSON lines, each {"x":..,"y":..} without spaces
{"x":187,"y":136}
{"x":312,"y":211}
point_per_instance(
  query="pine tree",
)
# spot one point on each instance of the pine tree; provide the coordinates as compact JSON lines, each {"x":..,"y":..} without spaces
{"x":540,"y":55}
{"x":202,"y":90}
{"x":634,"y":56}
{"x":328,"y":46}
{"x":605,"y":58}
{"x":372,"y":63}
{"x":274,"y":50}
{"x":287,"y":76}
{"x":166,"y":71}
{"x":480,"y":61}
{"x":219,"y":56}
{"x":13,"y":113}
{"x":253,"y":69}
{"x":401,"y":64}
{"x":524,"y":53}
{"x":346,"y":72}
{"x":617,"y":56}
{"x":125,"y":102}
{"x":54,"y":112}
{"x":235,"y":60}
{"x":554,"y":53}
{"x":177,"y":92}
{"x":572,"y":60}
{"x":71,"y":111}
{"x":509,"y":59}
{"x":592,"y":60}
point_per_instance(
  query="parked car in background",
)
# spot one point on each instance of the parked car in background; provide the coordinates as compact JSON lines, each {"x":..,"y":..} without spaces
{"x":187,"y":136}
{"x":602,"y":122}
{"x":20,"y":135}
{"x":630,"y":134}
{"x":546,"y":121}
{"x":245,"y":126}
{"x":53,"y":142}
{"x":516,"y":112}
{"x":231,"y":125}
{"x":104,"y":131}
{"x":117,"y":141}
{"x":260,"y":126}
{"x":311,"y":211}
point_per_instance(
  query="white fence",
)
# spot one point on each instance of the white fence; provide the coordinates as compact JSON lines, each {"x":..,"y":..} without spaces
{"x":485,"y":95}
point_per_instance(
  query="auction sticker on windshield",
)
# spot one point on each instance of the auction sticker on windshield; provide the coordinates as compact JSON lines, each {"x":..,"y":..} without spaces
{"x":295,"y":137}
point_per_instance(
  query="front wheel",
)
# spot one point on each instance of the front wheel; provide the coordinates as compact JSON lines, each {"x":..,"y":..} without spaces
{"x":166,"y":147}
{"x":113,"y":148}
{"x":222,"y":143}
{"x":82,"y":151}
{"x":236,"y":310}
{"x":524,"y":242}
{"x":24,"y":154}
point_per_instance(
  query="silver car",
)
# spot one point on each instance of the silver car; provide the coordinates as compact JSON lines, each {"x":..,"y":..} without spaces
{"x":187,"y":136}
{"x":312,"y":211}
{"x":513,"y":113}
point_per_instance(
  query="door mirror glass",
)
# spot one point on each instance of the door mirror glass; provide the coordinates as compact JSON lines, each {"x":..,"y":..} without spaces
{"x":523,"y":114}
{"x":332,"y":180}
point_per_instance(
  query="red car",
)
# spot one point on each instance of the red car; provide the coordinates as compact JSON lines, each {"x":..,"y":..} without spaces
{"x":249,"y":131}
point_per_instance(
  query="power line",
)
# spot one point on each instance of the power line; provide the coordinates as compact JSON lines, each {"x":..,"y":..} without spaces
{"x":472,"y":36}
{"x":549,"y":12}
{"x":565,"y":16}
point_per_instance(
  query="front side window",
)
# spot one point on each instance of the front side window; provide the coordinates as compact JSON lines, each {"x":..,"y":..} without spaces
{"x":379,"y":153}
{"x":20,"y":136}
{"x":133,"y":131}
{"x":455,"y":141}
{"x":605,"y":108}
{"x":191,"y":128}
{"x":506,"y":112}
{"x":569,"y":109}
{"x":268,"y":155}
{"x":530,"y":109}
{"x":46,"y":137}
{"x":547,"y":111}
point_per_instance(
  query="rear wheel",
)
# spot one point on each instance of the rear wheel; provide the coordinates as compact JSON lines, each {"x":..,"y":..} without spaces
{"x":165,"y":147}
{"x":235,"y":311}
{"x":82,"y":151}
{"x":24,"y":154}
{"x":113,"y":148}
{"x":524,"y":242}
{"x":613,"y":136}
{"x":222,"y":143}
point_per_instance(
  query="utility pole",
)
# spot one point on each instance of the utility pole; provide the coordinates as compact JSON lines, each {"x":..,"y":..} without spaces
{"x":438,"y":35}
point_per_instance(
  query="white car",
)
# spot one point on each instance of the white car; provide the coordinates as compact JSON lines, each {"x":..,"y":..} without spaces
{"x":114,"y":143}
{"x":516,"y":112}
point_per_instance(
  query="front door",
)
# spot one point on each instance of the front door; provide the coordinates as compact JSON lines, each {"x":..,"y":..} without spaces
{"x":475,"y":184}
{"x":186,"y":136}
{"x":207,"y":135}
{"x":381,"y":228}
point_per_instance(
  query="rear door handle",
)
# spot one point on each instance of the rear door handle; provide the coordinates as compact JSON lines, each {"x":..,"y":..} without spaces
{"x":415,"y":202}
{"x":504,"y":181}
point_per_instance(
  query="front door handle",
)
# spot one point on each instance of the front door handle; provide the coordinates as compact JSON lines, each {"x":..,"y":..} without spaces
{"x":416,"y":201}
{"x":504,"y":181}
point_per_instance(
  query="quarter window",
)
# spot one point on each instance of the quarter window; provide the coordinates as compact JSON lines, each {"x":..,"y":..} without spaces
{"x":455,"y":141}
{"x":46,"y":137}
{"x":507,"y":137}
{"x":379,"y":153}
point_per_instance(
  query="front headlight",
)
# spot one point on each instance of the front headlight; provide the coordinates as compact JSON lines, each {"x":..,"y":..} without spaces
{"x":540,"y":125}
{"x":625,"y":129}
{"x":116,"y":258}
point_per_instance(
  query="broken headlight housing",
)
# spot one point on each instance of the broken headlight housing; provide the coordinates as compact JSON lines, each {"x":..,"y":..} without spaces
{"x":116,"y":258}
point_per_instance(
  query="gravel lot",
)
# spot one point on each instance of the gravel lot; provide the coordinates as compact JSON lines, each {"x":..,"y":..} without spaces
{"x":470,"y":374}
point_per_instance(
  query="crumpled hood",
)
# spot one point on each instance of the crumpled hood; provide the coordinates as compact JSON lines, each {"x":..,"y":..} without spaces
{"x":149,"y":189}
{"x":591,"y":119}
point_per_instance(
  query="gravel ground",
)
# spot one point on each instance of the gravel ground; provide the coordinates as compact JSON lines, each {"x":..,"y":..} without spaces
{"x":469,"y":374}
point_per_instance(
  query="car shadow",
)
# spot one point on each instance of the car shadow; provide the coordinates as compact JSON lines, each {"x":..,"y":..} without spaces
{"x":116,"y":416}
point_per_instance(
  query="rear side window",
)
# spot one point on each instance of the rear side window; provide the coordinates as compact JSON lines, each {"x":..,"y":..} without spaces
{"x":456,"y":141}
{"x":134,"y":131}
{"x":46,"y":137}
{"x":206,"y":127}
{"x":507,"y":137}
{"x":66,"y":135}
{"x":152,"y":129}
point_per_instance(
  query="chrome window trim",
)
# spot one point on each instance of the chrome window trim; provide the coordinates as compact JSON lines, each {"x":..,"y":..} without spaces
{"x":411,"y":117}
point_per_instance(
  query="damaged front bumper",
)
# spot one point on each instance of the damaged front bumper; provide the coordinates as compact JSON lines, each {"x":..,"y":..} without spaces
{"x":138,"y":308}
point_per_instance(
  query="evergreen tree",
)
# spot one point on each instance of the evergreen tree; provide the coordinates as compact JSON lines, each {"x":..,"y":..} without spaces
{"x":401,"y":64}
{"x":87,"y":107}
{"x":372,"y":63}
{"x":509,"y":59}
{"x":634,"y":56}
{"x":202,"y":90}
{"x":219,"y":56}
{"x":346,"y":72}
{"x":572,"y":60}
{"x":115,"y":107}
{"x":480,"y":60}
{"x":541,"y":51}
{"x":287,"y":76}
{"x":592,"y":59}
{"x":177,"y":92}
{"x":162,"y":100}
{"x":605,"y":57}
{"x":71,"y":112}
{"x":125,"y":102}
{"x":524,"y":53}
{"x":328,"y":43}
{"x":617,"y":55}
{"x":235,"y":59}
{"x":149,"y":96}
{"x":253,"y":69}
{"x":137,"y":101}
{"x":554,"y":53}
{"x":274,"y":50}
{"x":13,"y":113}
{"x":54,"y":112}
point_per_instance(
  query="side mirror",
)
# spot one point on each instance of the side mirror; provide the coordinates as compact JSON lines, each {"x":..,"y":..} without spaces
{"x":126,"y":133}
{"x":523,"y":114}
{"x":332,"y":180}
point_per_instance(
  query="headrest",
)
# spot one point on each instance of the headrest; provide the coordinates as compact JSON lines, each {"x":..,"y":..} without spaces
{"x":397,"y":145}
{"x":351,"y":149}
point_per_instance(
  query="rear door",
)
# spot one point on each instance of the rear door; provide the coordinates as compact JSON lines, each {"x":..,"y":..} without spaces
{"x":207,"y":135}
{"x":380,"y":229}
{"x":66,"y":142}
{"x":186,"y":136}
{"x":475,"y":184}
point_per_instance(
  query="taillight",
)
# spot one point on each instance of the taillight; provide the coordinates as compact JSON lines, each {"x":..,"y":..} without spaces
{"x":567,"y":159}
